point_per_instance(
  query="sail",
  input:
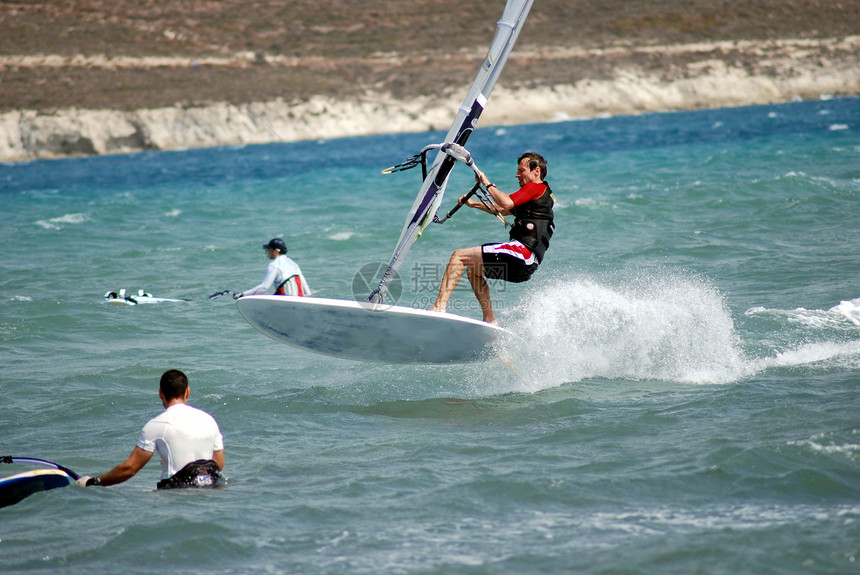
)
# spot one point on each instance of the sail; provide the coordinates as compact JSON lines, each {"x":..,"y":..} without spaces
{"x":433,"y":188}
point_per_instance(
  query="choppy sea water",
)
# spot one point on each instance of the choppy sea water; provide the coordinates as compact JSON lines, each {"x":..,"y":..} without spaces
{"x":684,"y":395}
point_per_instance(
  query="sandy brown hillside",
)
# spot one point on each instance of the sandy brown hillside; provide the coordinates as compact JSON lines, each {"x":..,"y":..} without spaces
{"x":132,"y":54}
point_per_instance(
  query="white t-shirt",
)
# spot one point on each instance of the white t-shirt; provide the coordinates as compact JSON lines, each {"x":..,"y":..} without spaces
{"x":181,"y":434}
{"x":280,"y":269}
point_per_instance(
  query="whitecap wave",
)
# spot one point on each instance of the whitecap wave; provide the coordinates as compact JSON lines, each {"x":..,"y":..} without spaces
{"x":831,"y":354}
{"x":850,"y":309}
{"x":844,"y":315}
{"x":54,"y":223}
{"x":830,"y":444}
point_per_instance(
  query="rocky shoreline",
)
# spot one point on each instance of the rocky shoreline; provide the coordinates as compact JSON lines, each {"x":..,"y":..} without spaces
{"x":685,"y":76}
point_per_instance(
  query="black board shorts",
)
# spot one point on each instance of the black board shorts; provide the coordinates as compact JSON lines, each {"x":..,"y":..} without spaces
{"x":510,"y":261}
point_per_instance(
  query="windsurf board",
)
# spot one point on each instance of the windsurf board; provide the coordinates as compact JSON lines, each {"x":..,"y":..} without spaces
{"x":16,"y":487}
{"x":122,"y":298}
{"x":370,"y":332}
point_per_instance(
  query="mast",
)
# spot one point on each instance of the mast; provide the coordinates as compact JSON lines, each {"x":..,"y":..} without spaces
{"x":433,"y":188}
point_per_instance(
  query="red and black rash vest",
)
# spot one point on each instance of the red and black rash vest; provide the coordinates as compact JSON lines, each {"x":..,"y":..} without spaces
{"x":533,"y":222}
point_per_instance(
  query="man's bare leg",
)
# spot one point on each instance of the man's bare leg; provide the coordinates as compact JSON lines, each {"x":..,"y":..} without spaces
{"x":481,"y":288}
{"x":450,"y":279}
{"x":472,"y":260}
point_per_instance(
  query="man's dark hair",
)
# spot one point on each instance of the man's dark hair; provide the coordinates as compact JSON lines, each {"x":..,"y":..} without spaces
{"x":535,"y":160}
{"x":173,"y":384}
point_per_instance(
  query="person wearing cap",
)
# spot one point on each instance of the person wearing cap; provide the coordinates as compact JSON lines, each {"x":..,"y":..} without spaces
{"x":283,"y":273}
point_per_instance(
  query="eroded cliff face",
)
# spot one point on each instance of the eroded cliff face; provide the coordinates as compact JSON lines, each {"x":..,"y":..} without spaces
{"x":697,"y":76}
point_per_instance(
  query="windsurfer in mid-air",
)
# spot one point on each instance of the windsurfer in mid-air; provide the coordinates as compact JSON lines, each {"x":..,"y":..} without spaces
{"x":517,"y":259}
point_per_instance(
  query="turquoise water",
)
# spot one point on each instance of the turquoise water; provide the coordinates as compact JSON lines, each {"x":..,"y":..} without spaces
{"x":685,"y":396}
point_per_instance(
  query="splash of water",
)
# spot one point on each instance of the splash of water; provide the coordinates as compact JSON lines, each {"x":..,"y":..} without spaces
{"x":662,"y":327}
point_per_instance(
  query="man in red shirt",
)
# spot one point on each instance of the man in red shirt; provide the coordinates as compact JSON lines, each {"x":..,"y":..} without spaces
{"x":514,"y":260}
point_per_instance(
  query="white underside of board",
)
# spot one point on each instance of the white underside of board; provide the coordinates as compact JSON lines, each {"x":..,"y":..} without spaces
{"x":364,"y":331}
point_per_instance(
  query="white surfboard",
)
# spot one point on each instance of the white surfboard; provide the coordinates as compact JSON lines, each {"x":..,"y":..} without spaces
{"x":363,"y":331}
{"x":122,"y":298}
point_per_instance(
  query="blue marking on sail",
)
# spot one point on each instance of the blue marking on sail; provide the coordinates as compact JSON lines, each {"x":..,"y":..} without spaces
{"x":432,"y":190}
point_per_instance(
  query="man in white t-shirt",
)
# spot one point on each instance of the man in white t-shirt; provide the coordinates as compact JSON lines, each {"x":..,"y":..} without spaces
{"x":187,"y":440}
{"x":282,"y":272}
